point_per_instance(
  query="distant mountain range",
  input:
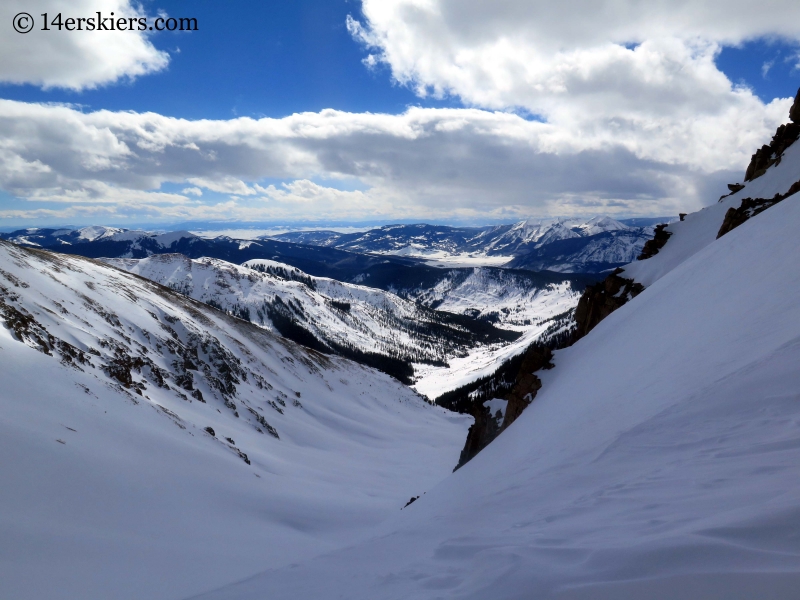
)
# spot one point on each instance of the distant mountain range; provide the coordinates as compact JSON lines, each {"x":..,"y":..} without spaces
{"x":562,"y":245}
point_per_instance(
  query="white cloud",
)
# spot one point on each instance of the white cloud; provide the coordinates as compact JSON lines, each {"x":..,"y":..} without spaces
{"x":632,"y":117}
{"x":422,"y":163}
{"x":73,"y":59}
{"x":639,"y":75}
{"x":534,"y":54}
{"x":223,"y":185}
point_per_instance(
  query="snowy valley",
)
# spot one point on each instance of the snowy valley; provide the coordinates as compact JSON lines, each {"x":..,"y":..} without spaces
{"x":659,"y":457}
{"x":168,"y":438}
{"x":399,"y":300}
{"x":436,"y":327}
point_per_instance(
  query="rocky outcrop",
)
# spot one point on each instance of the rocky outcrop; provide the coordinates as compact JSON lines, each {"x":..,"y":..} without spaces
{"x":794,"y":112}
{"x":770,"y":154}
{"x":480,"y":434}
{"x":750,"y":207}
{"x":651,"y":247}
{"x":600,"y":300}
{"x":527,"y":384}
{"x":485,"y":429}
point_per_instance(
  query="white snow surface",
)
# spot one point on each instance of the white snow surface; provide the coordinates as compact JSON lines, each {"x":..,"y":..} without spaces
{"x":660,"y":459}
{"x":110,"y":493}
{"x":496,"y":405}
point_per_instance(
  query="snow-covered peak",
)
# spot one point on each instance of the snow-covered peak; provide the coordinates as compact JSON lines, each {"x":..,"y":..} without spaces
{"x":90,"y":234}
{"x":534,"y":232}
{"x":597,"y":225}
{"x":167,"y":239}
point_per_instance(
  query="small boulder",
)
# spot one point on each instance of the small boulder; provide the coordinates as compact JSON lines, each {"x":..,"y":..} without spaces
{"x":210,"y":431}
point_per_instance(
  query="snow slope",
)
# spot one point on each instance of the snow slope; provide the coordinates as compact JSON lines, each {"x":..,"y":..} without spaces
{"x":112,"y":485}
{"x":659,"y":460}
{"x":337,"y":314}
{"x":700,"y":229}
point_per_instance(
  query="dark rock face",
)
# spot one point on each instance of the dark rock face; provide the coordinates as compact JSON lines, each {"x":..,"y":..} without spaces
{"x":651,"y":247}
{"x":750,"y":207}
{"x":794,"y":112}
{"x":480,"y":434}
{"x":600,"y":300}
{"x":771,"y":154}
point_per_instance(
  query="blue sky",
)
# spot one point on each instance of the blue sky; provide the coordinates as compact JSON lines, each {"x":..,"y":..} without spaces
{"x":278,"y":58}
{"x":461,"y":159}
{"x":251,"y":59}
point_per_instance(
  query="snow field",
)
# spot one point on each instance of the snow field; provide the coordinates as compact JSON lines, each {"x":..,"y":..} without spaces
{"x":111,"y":494}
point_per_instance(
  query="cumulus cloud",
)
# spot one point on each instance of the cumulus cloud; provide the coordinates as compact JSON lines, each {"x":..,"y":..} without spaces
{"x":574,"y":107}
{"x":74,"y":59}
{"x":422,"y":163}
{"x":625,"y":74}
{"x":520,"y":53}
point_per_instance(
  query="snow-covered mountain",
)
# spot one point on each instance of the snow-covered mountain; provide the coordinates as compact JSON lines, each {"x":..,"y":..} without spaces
{"x":483,"y":316}
{"x":136,"y":242}
{"x":594,"y":245}
{"x":446,"y":349}
{"x":587,"y":254}
{"x":517,"y":300}
{"x":563,"y":245}
{"x":369,"y":325}
{"x":660,"y":456}
{"x":155,"y":447}
{"x":109,"y":242}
